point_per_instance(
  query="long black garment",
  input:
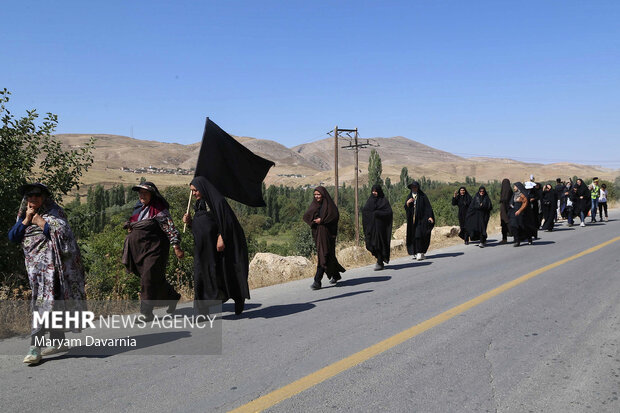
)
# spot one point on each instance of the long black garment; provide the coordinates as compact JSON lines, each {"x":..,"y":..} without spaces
{"x":505,"y":197}
{"x":418,"y":227}
{"x":324,"y":233}
{"x":217,"y":275}
{"x":534,"y":200}
{"x":581,"y":198}
{"x":377,"y":223}
{"x":462,"y":201}
{"x":549,"y":207}
{"x":478,"y":216}
{"x":522,"y":226}
{"x":146,"y":254}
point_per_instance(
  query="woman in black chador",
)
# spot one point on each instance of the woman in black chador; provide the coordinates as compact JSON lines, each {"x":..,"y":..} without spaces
{"x":322,"y":216}
{"x":377,"y":223}
{"x":420,"y":221}
{"x":478,"y":216}
{"x":220,"y":249}
{"x":534,"y":200}
{"x":520,"y":215}
{"x":581,"y":201}
{"x":549,"y":203}
{"x":462,"y":199}
{"x":505,"y":198}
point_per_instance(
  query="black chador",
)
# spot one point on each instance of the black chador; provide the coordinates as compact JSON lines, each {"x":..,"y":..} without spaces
{"x":322,"y":216}
{"x":520,"y":215}
{"x":377,"y":222}
{"x":462,"y":199}
{"x":505,"y":197}
{"x":478,"y":216}
{"x":218,"y":275}
{"x":420,"y":221}
{"x":549,"y":203}
{"x":534,"y":201}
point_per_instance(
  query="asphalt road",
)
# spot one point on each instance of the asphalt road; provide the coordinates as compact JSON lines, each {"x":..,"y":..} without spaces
{"x":548,"y":344}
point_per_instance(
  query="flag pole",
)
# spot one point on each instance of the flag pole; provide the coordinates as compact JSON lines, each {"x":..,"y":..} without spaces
{"x":189,"y":202}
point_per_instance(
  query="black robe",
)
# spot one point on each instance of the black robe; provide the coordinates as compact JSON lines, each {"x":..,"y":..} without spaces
{"x":217,"y":275}
{"x":462,"y":201}
{"x":522,"y":226}
{"x":549,"y":204}
{"x":377,"y":223}
{"x":324,"y":233}
{"x":478,"y":217}
{"x":534,"y":200}
{"x":581,"y":204}
{"x":419,"y":232}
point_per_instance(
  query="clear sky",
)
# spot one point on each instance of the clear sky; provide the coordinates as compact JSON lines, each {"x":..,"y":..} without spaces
{"x":531,"y":80}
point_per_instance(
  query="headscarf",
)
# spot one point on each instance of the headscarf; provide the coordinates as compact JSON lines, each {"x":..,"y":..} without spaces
{"x":157,"y":204}
{"x":506,"y":192}
{"x":327,"y":210}
{"x":520,"y":190}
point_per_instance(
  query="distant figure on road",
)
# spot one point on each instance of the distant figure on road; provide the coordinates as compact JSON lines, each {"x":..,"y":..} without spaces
{"x":322,"y":216}
{"x":581,"y":201}
{"x":221,"y":263}
{"x":420,"y":221}
{"x":505,"y":198}
{"x":549,"y":207}
{"x":151,"y":231}
{"x":559,"y":192}
{"x":535,"y":195}
{"x":602,"y":202}
{"x":569,"y":209}
{"x":377,"y":223}
{"x":462,"y":199}
{"x":478,"y":216}
{"x":522,"y":221}
{"x":594,"y":194}
{"x":53,"y":263}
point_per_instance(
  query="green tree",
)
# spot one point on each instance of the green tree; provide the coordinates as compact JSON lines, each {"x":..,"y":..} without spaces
{"x":374,"y":169}
{"x":31,"y":153}
{"x":404,"y":177}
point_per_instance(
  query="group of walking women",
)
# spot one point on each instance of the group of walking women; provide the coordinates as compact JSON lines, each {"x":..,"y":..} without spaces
{"x":221,"y":266}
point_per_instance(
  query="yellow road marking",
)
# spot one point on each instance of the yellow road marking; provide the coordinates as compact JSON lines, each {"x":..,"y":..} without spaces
{"x":312,"y":379}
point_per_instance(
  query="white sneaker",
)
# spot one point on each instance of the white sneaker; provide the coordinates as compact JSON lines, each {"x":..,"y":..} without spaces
{"x":419,"y":256}
{"x":583,"y":224}
{"x":48,"y":351}
{"x":33,"y":356}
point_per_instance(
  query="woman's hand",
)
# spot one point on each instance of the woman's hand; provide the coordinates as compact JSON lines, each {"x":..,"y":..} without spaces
{"x":178,"y":252}
{"x":187,"y":219}
{"x":409,"y":201}
{"x":30,"y":212}
{"x":220,"y":244}
{"x":517,"y":213}
{"x":38,"y":220}
{"x":317,"y":221}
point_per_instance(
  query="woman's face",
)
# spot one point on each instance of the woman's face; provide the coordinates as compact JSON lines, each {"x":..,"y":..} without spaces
{"x":462,"y":191}
{"x":317,"y":196}
{"x":375,"y":194}
{"x":579,"y":182}
{"x":515,"y":189}
{"x":145,"y":196}
{"x":195,"y":192}
{"x":482,"y":192}
{"x":35,"y":201}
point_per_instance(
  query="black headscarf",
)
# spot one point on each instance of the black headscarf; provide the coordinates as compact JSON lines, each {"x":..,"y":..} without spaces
{"x":377,"y":223}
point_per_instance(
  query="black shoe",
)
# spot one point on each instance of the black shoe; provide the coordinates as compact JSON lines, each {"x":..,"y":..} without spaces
{"x":529,"y":241}
{"x":466,"y":242}
{"x":516,"y":244}
{"x":315,"y":286}
{"x":502,"y":242}
{"x":333,"y":280}
{"x":173,"y":306}
{"x":239,"y":306}
{"x":146,"y":318}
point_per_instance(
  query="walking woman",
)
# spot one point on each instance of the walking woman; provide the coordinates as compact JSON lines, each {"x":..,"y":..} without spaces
{"x":581,"y":201}
{"x":53,"y":263}
{"x":462,"y":199}
{"x":520,"y":215}
{"x":377,"y":222}
{"x":420,"y":221}
{"x":322,"y":216}
{"x":505,"y":197}
{"x":478,"y":215}
{"x":151,"y":231}
{"x":221,"y":264}
{"x":549,"y":206}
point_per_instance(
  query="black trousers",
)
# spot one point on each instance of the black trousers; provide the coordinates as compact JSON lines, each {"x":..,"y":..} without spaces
{"x":601,"y":206}
{"x":505,"y":231}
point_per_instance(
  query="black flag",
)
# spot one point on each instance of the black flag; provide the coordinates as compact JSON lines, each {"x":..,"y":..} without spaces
{"x":232,"y":168}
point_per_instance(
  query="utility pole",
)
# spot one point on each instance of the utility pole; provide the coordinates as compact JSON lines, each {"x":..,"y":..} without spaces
{"x":336,"y":165}
{"x":356,"y":147}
